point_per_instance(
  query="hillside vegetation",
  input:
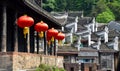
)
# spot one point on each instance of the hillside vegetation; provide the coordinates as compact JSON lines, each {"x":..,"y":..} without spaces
{"x":103,"y":10}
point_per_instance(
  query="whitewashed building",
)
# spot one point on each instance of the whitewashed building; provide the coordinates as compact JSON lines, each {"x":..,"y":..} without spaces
{"x":89,"y":42}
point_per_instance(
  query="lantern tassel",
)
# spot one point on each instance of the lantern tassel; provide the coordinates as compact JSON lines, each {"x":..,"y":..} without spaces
{"x":25,"y":31}
{"x":59,"y":42}
{"x":41,"y":34}
{"x":48,"y":42}
{"x":52,"y":39}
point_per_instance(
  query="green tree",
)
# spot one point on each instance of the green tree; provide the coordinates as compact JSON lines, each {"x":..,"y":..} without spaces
{"x":74,"y":5}
{"x":60,"y":5}
{"x":115,"y":8}
{"x":87,"y":6}
{"x":49,"y":5}
{"x":101,"y":6}
{"x":90,"y":7}
{"x":105,"y":17}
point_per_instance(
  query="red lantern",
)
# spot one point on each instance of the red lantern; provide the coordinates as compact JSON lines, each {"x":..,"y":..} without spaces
{"x":48,"y":38}
{"x":52,"y":33}
{"x":41,"y":27}
{"x":60,"y":36}
{"x":25,"y":21}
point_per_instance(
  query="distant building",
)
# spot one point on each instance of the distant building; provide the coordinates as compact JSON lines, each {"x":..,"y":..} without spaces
{"x":88,"y":45}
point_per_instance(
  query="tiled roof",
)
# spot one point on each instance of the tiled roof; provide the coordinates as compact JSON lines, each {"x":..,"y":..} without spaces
{"x":59,"y":16}
{"x":67,"y":29}
{"x":58,"y":13}
{"x":74,"y":14}
{"x":94,"y":37}
{"x":80,"y":28}
{"x":67,"y":53}
{"x":105,"y":48}
{"x":94,"y":44}
{"x":101,"y":28}
{"x":114,"y":25}
{"x":84,"y":20}
{"x":70,"y":20}
{"x":66,"y":48}
{"x":113,"y":33}
{"x":62,"y":21}
{"x":88,"y":49}
{"x":84,"y":34}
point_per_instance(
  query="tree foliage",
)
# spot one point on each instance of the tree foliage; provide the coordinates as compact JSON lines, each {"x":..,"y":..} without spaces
{"x":60,"y":5}
{"x":105,"y":17}
{"x":90,"y":7}
{"x":115,"y":8}
{"x":49,"y":5}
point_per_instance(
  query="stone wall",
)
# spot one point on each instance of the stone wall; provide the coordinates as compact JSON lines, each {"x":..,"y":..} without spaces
{"x":16,"y":61}
{"x":6,"y":61}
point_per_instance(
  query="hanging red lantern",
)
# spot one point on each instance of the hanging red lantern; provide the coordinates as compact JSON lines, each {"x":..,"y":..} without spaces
{"x":41,"y":27}
{"x":60,"y":37}
{"x":52,"y":33}
{"x":48,"y":38}
{"x":25,"y":22}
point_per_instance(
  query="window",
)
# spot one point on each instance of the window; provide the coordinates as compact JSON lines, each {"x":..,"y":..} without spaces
{"x":104,"y":63}
{"x":66,"y":59}
{"x":87,"y":60}
{"x":106,"y":60}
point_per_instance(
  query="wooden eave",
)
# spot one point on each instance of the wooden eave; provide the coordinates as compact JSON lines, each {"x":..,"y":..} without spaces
{"x":67,"y":53}
{"x":41,"y":11}
{"x":31,"y":8}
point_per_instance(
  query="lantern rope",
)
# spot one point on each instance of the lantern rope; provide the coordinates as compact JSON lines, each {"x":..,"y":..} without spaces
{"x":25,"y":31}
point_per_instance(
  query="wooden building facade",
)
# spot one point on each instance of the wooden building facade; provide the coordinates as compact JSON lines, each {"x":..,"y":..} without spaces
{"x":11,"y":36}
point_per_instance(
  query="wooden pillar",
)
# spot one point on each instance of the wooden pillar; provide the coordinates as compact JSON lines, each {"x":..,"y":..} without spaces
{"x":28,"y":41}
{"x":4,"y":29}
{"x":37,"y":39}
{"x":51,"y":45}
{"x":55,"y":47}
{"x":15,"y":30}
{"x":32,"y":37}
{"x":45,"y":50}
